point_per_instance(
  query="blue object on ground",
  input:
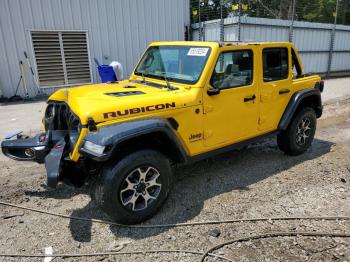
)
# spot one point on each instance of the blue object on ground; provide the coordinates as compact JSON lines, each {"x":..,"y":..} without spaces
{"x":106,"y":73}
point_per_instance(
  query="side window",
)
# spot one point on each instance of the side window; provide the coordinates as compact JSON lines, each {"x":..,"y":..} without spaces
{"x":275,"y":63}
{"x":233,"y":69}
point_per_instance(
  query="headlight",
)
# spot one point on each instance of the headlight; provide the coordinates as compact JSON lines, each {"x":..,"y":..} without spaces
{"x":50,"y":113}
{"x":50,"y":117}
{"x":94,"y":148}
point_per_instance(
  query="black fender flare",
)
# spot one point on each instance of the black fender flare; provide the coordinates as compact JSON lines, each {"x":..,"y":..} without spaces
{"x":113,"y":135}
{"x":294,"y":103}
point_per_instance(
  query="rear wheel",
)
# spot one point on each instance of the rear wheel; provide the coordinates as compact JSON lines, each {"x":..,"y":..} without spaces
{"x":300,"y":133}
{"x":132,"y":190}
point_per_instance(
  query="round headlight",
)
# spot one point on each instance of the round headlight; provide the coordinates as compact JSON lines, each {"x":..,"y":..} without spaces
{"x":50,"y":113}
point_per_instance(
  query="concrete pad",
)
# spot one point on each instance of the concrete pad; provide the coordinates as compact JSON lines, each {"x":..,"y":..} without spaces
{"x":25,"y":117}
{"x":336,"y":89}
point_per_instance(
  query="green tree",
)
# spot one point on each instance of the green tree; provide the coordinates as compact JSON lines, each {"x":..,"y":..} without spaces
{"x":305,"y":10}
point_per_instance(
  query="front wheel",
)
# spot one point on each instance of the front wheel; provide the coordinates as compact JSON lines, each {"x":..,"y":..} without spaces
{"x":133,"y":190}
{"x":300,"y":133}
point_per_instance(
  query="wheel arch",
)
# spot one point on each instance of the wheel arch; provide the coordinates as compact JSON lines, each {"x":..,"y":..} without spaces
{"x":304,"y":98}
{"x":157,"y":140}
{"x":127,"y":137}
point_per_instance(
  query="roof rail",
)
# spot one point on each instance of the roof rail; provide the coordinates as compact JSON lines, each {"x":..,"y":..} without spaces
{"x":229,"y":43}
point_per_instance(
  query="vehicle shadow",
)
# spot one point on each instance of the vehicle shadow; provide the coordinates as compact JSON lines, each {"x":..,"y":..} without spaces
{"x":196,"y":183}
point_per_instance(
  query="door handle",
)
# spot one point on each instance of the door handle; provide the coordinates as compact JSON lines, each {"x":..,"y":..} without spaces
{"x":249,"y":98}
{"x":284,"y":91}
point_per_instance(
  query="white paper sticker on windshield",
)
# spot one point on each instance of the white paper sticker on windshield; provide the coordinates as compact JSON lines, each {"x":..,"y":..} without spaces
{"x":198,"y":51}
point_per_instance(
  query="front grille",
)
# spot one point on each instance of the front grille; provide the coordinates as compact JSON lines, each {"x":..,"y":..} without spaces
{"x":58,"y":116}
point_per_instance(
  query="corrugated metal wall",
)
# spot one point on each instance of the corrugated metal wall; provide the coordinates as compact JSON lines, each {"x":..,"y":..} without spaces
{"x":117,"y":30}
{"x":311,"y":39}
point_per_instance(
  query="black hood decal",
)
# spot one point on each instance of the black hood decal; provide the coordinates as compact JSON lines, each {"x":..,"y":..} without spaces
{"x":126,"y":93}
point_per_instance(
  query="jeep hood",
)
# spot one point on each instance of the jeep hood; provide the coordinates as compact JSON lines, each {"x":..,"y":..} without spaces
{"x":111,"y":101}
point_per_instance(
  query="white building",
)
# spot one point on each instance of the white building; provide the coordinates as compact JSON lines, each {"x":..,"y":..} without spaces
{"x":62,"y":37}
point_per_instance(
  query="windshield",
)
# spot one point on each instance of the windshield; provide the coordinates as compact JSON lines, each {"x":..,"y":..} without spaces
{"x":182,"y":64}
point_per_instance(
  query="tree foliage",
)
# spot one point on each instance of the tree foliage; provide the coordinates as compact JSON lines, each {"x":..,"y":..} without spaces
{"x":322,"y":11}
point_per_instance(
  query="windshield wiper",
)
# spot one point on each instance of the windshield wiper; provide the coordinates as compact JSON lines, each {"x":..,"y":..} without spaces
{"x":166,"y":78}
{"x":162,"y":77}
{"x":168,"y":84}
{"x":152,"y":76}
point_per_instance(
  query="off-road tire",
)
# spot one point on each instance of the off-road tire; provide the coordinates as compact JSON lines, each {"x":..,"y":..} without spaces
{"x":113,"y":178}
{"x":288,"y":140}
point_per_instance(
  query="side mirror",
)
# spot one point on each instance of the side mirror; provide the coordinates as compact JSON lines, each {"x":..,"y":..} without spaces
{"x":213,"y":91}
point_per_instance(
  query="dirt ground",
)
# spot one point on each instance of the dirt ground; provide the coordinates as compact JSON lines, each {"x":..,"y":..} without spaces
{"x":259,"y":181}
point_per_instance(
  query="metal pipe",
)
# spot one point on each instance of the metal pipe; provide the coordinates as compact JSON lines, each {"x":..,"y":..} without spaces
{"x":291,"y":28}
{"x":239,"y":19}
{"x":199,"y":20}
{"x":331,"y":46}
{"x":222,"y":33}
{"x":190,"y":22}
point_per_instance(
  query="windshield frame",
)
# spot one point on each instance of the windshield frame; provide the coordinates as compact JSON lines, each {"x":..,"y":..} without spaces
{"x":172,"y":79}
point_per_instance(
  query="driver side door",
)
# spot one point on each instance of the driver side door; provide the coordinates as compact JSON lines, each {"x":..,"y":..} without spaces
{"x":231,"y":115}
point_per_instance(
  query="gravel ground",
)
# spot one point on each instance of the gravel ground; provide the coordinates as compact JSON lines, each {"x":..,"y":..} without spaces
{"x":259,"y":181}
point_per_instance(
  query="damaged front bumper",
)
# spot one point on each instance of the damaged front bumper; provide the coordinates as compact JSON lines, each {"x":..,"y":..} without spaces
{"x":27,"y":148}
{"x":53,"y":162}
{"x":48,"y":148}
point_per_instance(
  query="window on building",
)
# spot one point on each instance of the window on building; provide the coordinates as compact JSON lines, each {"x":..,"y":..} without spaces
{"x":233,"y":69}
{"x":275,"y":62}
{"x":61,"y":58}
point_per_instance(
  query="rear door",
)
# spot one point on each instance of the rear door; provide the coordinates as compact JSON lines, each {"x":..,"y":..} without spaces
{"x":232,"y":114}
{"x":275,"y":90}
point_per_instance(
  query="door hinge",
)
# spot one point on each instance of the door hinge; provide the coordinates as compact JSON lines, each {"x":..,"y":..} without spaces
{"x":207,"y":109}
{"x":207,"y":134}
{"x":261,"y":120}
{"x":264,"y":97}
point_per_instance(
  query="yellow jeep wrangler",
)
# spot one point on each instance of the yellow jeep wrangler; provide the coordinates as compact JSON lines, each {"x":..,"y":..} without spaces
{"x":185,"y":101}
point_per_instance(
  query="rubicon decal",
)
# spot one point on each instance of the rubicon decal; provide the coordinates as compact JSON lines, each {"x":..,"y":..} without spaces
{"x":137,"y":110}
